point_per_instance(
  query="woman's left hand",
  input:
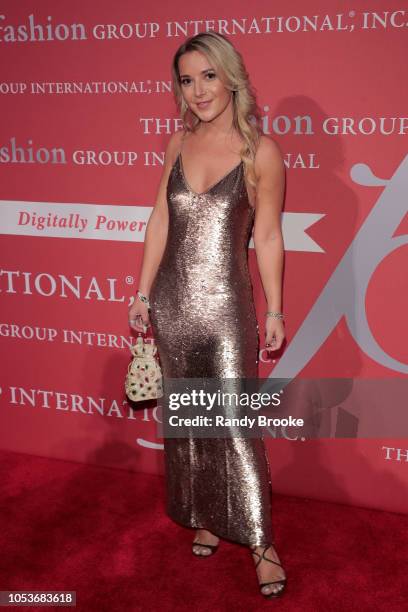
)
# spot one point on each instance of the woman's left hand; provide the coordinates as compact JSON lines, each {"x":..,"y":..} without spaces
{"x":274,"y":333}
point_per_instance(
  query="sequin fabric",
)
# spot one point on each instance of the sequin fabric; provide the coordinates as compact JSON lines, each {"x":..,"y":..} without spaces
{"x":204,"y":323}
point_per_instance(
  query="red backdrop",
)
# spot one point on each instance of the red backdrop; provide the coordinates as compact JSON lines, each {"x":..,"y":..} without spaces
{"x":87,"y":110}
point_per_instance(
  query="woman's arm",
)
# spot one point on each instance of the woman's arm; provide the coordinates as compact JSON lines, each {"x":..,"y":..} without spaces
{"x":155,"y":237}
{"x":268,"y":239}
{"x":157,"y":227}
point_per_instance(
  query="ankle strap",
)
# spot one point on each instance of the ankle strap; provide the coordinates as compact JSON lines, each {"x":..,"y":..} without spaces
{"x":263,"y":556}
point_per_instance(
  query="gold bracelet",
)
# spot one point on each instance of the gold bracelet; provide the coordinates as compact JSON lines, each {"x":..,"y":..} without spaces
{"x":143,"y":298}
{"x":275,"y":315}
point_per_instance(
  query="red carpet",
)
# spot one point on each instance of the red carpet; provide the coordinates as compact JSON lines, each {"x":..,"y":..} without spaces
{"x":103,"y":533}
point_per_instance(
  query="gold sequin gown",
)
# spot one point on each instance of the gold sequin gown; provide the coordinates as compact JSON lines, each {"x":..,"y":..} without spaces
{"x":204,"y":323}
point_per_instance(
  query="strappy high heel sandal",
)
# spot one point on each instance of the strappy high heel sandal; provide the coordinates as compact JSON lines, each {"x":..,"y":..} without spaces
{"x":281,"y":581}
{"x":212,"y":547}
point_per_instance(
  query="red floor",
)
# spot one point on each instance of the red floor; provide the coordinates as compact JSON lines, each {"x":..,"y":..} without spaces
{"x":103,"y":533}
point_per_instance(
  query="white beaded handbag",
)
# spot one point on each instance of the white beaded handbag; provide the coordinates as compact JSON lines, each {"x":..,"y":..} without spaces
{"x":144,"y":379}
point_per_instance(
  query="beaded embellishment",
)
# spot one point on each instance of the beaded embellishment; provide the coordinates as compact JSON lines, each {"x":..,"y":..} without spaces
{"x":144,"y":377}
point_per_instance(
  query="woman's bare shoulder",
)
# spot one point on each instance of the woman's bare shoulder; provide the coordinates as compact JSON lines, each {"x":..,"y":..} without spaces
{"x":268,"y":154}
{"x":174,"y":146}
{"x":268,"y":147}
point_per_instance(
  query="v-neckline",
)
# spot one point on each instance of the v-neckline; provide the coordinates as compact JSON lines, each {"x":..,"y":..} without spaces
{"x":211,"y":186}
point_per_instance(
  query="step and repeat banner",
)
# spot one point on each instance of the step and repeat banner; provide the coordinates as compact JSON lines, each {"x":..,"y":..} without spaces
{"x":87,"y":110}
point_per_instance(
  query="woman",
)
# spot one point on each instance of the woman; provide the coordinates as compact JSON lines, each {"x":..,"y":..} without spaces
{"x":222,"y":178}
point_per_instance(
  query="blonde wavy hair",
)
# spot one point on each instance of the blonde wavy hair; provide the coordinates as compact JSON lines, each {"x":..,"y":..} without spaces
{"x":228,"y":63}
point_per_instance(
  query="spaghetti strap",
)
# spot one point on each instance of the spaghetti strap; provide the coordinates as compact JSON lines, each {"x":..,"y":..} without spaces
{"x":178,"y":156}
{"x":182,"y":141}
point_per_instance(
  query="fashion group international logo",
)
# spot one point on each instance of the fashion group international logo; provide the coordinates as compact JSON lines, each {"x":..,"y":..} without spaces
{"x":49,"y":29}
{"x":345,"y":292}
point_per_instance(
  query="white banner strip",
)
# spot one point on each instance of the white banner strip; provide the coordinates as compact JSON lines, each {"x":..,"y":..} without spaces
{"x":118,"y":223}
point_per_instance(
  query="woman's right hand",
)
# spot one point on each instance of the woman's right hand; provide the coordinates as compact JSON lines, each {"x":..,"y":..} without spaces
{"x":139,"y":319}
